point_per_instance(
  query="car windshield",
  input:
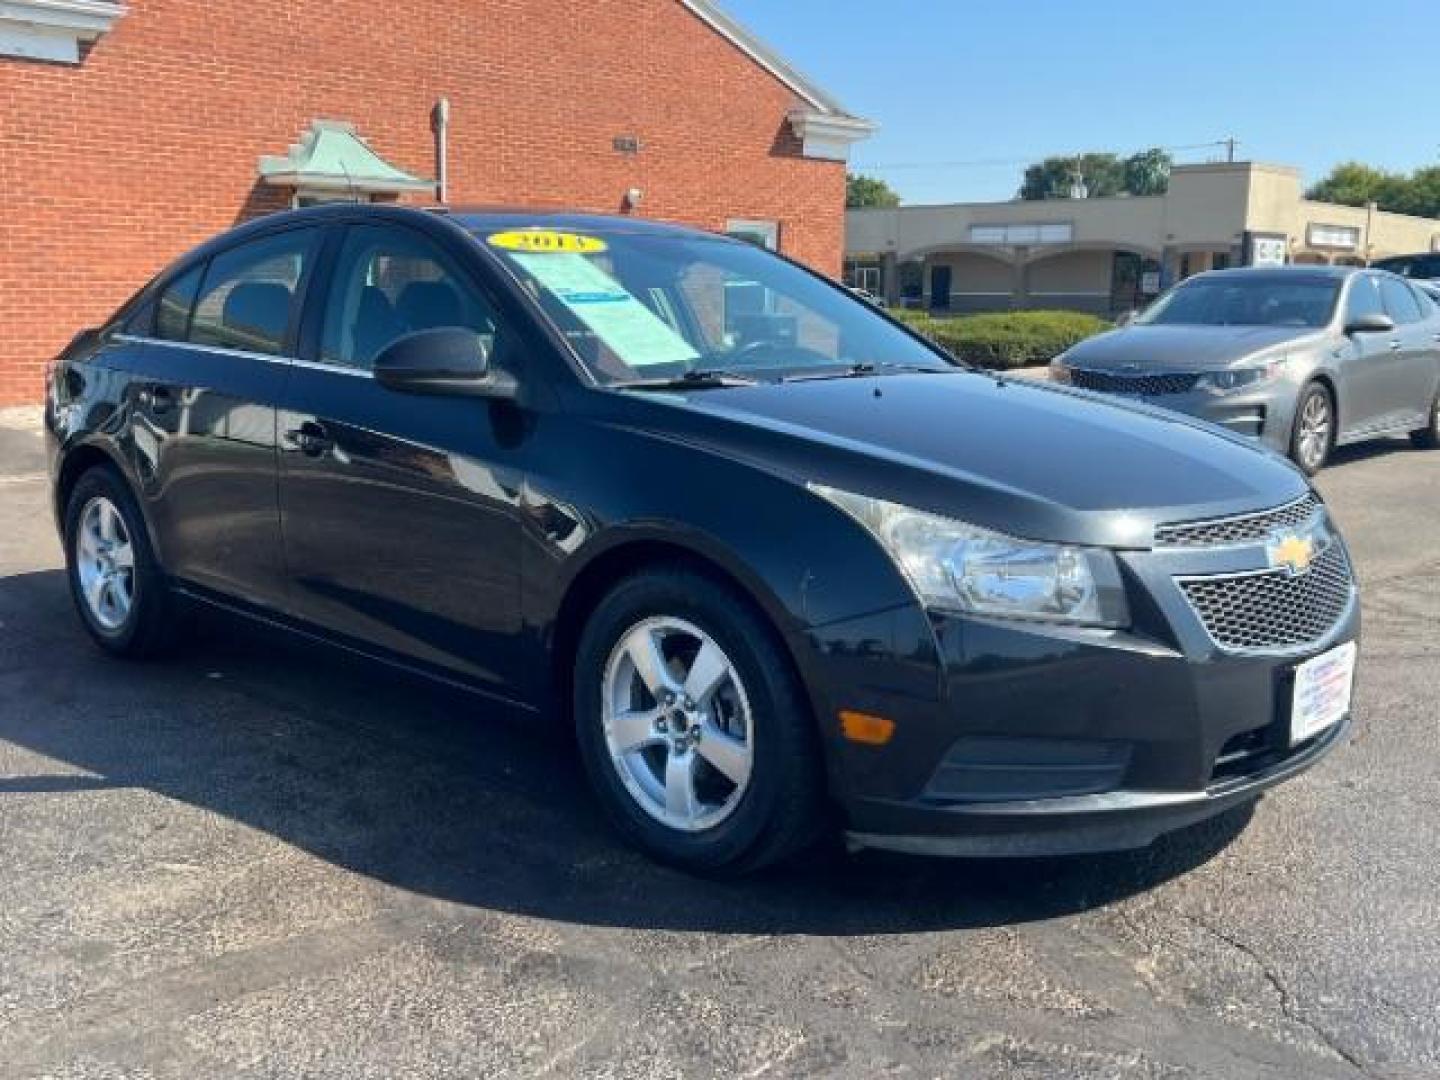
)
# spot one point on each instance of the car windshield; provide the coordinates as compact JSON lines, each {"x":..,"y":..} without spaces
{"x":650,"y":307}
{"x":1245,"y":301}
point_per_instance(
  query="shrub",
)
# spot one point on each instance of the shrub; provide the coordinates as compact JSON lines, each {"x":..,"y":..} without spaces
{"x":1006,"y":339}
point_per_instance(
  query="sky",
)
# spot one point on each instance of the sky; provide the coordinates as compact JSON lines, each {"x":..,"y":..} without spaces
{"x":968,"y":91}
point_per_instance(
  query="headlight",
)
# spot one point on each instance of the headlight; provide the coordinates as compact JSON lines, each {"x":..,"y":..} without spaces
{"x":1241,"y":377}
{"x":953,"y":566}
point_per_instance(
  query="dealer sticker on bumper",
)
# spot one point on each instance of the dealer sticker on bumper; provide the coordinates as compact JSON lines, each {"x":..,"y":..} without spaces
{"x":1322,"y":692}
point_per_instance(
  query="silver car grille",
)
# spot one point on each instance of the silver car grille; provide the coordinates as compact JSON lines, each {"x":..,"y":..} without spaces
{"x":1153,"y":385}
{"x":1270,"y":610}
{"x":1241,"y":529}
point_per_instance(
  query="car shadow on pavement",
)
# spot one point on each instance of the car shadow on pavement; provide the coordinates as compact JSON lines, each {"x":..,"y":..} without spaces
{"x":439,"y":793}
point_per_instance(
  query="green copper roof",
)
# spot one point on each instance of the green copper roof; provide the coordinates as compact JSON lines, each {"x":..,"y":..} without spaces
{"x":331,"y":156}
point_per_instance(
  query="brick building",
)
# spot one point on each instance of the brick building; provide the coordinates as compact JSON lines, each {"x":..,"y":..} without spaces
{"x":131,"y":131}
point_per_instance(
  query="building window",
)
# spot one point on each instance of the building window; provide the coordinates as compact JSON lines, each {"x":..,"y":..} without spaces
{"x":303,"y":198}
{"x":765,"y":234}
{"x":1055,"y":233}
{"x":863,"y":274}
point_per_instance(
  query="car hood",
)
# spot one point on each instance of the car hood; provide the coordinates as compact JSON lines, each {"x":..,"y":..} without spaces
{"x":1023,"y":457}
{"x":1184,"y":348}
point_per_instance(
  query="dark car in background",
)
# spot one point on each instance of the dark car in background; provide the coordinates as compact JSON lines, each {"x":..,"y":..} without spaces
{"x":1300,"y":358}
{"x":1423,"y":266}
{"x":781,"y":562}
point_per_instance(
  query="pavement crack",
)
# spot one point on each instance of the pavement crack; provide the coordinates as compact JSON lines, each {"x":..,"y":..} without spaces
{"x":1288,"y":1005}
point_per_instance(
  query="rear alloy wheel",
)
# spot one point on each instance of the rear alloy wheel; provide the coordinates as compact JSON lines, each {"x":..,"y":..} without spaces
{"x":1428,"y":437}
{"x":692,"y":727}
{"x":1314,"y":432}
{"x":118,"y":588}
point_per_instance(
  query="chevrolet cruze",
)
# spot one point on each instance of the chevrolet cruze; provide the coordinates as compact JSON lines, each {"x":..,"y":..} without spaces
{"x":786,"y":567}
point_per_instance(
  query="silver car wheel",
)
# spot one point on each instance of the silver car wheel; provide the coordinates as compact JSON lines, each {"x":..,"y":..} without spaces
{"x":105,"y":563}
{"x":678,"y":724}
{"x":1315,"y":422}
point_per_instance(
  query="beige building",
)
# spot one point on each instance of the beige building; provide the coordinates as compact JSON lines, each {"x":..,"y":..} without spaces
{"x":1108,"y":255}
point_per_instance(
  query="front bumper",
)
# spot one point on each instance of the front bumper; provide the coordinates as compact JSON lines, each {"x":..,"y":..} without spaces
{"x":1042,"y":740}
{"x":1265,"y":413}
{"x":1078,"y":824}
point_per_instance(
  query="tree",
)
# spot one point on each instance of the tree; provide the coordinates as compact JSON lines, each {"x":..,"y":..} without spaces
{"x":1145,"y":173}
{"x":868,"y":191}
{"x":1352,"y":183}
{"x":1148,"y":172}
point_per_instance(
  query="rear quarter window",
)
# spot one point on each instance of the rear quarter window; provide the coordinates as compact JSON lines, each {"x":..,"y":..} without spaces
{"x":172,"y":309}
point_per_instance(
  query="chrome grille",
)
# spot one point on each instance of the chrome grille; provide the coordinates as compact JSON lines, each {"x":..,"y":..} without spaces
{"x":1242,"y":529}
{"x":1273,"y":609}
{"x":1154,"y":385}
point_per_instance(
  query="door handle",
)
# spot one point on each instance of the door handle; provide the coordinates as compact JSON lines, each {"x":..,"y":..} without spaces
{"x":1394,"y":346}
{"x":311,"y":439}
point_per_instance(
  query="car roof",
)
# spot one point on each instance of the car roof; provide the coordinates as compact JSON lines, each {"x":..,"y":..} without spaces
{"x":491,"y":220}
{"x":1281,"y":273}
{"x":484,"y":219}
{"x":478,"y":221}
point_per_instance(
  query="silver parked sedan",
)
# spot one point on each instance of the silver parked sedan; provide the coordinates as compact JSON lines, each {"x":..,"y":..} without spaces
{"x":1302,"y":358}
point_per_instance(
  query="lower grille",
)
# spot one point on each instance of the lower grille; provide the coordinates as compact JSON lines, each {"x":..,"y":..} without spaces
{"x":1109,"y":382}
{"x":1273,"y":609}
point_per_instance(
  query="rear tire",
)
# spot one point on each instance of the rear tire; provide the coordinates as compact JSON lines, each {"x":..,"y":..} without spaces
{"x":116,"y":583}
{"x":1428,"y":437}
{"x":1313,"y":435}
{"x":653,"y":762}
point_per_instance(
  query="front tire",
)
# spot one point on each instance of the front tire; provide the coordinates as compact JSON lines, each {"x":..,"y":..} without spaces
{"x":1313,"y":435}
{"x":1428,"y":437}
{"x":118,"y":588}
{"x":693,"y":730}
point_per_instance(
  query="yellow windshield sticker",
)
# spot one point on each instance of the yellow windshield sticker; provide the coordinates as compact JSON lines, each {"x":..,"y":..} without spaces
{"x":546,"y":242}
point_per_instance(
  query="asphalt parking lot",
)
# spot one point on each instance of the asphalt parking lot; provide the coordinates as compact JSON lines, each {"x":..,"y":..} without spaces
{"x":261,"y":859}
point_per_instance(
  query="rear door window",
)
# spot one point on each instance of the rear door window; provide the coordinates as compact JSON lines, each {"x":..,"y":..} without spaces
{"x":247,"y":301}
{"x":1400,"y":301}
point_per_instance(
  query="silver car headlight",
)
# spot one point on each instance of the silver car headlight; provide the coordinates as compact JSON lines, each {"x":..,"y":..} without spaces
{"x":953,"y":566}
{"x":1238,"y":378}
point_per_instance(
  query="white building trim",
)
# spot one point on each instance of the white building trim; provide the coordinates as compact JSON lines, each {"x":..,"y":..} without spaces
{"x":826,"y":136}
{"x":53,"y":30}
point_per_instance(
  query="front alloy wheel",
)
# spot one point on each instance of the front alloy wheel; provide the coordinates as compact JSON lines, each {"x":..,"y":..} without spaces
{"x":693,"y":726}
{"x":1314,"y":429}
{"x":678,"y":724}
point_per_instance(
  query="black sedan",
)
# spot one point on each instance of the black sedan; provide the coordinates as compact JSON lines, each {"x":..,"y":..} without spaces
{"x":783,"y":563}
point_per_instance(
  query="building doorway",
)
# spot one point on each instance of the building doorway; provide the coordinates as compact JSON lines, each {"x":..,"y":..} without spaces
{"x":940,"y":280}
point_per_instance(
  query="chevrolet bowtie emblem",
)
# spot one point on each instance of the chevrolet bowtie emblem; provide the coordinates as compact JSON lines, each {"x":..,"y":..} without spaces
{"x":1292,"y":551}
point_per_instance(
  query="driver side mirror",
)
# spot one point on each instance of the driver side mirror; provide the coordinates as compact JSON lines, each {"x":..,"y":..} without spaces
{"x":443,"y":360}
{"x":1125,"y":318}
{"x":1372,"y":322}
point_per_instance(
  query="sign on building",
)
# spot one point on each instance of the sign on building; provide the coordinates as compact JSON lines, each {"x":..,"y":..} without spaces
{"x":1266,"y":249}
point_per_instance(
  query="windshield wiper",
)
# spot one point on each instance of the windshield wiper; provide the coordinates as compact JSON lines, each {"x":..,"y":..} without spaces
{"x":699,"y":379}
{"x":864,"y":369}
